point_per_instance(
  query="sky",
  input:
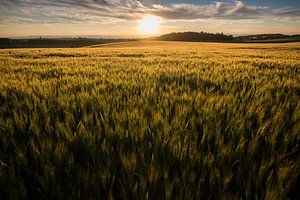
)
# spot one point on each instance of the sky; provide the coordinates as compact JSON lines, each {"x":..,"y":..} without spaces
{"x":121,"y":18}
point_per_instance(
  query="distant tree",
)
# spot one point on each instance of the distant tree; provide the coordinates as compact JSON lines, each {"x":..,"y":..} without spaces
{"x":197,"y":37}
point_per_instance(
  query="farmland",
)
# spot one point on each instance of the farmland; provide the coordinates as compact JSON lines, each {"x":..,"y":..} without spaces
{"x":151,"y":120}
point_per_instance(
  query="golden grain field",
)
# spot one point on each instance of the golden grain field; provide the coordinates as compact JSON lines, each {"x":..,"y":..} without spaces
{"x":150,"y":120}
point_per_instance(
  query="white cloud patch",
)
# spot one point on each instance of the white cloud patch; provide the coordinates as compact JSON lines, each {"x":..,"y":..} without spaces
{"x":100,"y":11}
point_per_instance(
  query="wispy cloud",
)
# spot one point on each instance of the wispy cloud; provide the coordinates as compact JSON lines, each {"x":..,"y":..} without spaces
{"x":87,"y":11}
{"x":221,"y":10}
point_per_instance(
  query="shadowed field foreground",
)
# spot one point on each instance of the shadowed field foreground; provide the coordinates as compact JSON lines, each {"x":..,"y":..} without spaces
{"x":142,"y":120}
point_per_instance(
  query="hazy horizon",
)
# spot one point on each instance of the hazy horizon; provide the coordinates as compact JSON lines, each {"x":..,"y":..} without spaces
{"x":140,"y":18}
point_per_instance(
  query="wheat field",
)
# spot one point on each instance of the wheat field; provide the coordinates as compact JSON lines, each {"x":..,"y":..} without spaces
{"x":151,"y":120}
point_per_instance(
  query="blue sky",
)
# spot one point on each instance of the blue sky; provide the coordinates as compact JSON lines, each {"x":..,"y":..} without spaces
{"x":270,"y":3}
{"x":121,"y":17}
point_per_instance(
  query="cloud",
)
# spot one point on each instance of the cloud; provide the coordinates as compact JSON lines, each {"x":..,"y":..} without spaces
{"x":23,"y":20}
{"x":87,"y":11}
{"x":221,"y":10}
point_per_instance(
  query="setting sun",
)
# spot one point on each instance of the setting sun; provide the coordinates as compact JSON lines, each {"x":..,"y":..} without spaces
{"x":149,"y":24}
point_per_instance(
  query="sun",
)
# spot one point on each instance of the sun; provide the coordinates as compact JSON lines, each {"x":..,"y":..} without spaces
{"x":149,"y":24}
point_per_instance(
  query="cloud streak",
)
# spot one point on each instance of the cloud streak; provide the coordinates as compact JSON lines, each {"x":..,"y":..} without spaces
{"x":99,"y":11}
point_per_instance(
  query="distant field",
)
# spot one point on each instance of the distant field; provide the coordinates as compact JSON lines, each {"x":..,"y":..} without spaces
{"x":151,"y":120}
{"x":6,"y":43}
{"x":278,"y":40}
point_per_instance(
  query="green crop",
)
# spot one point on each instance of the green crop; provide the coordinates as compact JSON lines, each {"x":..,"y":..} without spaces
{"x":160,"y":120}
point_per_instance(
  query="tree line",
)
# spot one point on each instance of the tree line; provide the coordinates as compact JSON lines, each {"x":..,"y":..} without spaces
{"x":197,"y":37}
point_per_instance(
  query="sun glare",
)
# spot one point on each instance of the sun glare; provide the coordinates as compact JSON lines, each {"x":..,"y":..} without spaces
{"x":149,"y":24}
